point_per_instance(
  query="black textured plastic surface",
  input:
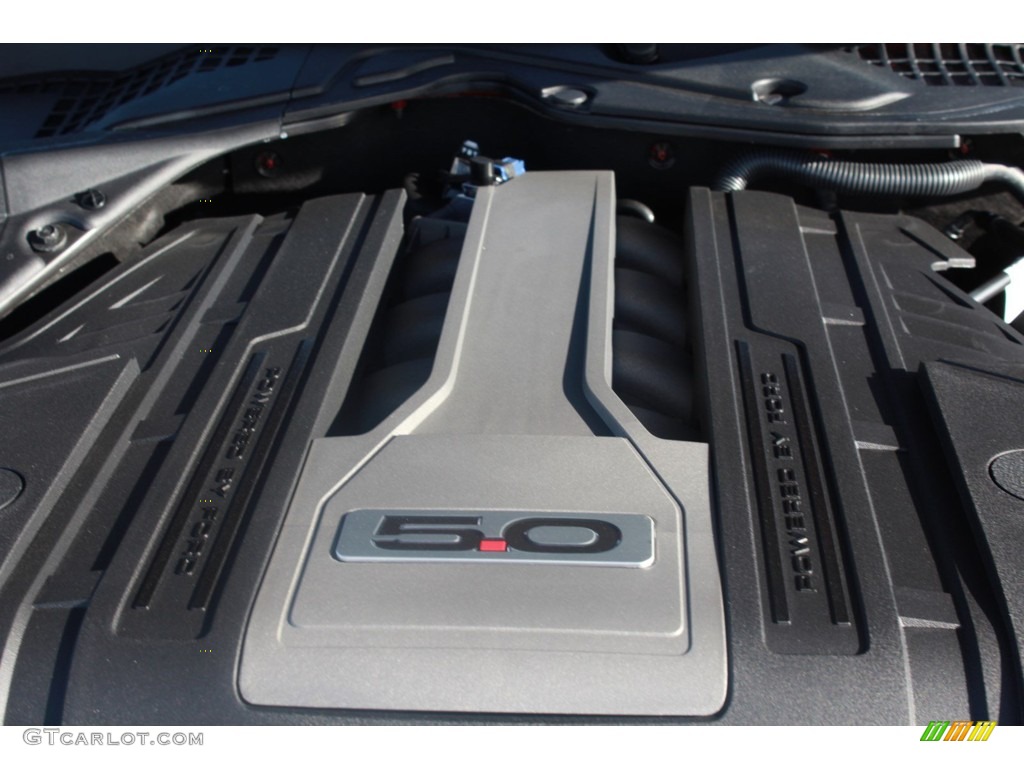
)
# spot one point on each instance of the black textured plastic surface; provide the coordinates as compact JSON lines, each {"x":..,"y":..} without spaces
{"x":159,"y":422}
{"x":982,"y":423}
{"x":1007,"y":471}
{"x":849,"y":562}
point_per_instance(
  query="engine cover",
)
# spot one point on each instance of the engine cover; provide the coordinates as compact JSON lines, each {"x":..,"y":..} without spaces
{"x":508,"y":539}
{"x":329,"y":466}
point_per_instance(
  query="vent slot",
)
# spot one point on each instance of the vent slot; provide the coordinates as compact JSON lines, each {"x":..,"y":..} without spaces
{"x":949,"y":63}
{"x":85,"y":98}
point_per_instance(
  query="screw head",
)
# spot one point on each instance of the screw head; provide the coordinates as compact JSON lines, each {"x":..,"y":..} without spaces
{"x":91,"y":199}
{"x":48,"y":238}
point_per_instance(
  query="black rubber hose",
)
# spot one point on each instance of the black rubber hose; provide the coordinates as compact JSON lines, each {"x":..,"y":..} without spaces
{"x":922,"y":179}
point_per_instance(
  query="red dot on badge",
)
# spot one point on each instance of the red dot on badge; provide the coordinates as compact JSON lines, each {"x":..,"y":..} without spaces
{"x":493,"y":545}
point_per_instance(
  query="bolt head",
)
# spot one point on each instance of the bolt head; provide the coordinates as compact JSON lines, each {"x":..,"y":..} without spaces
{"x":48,"y":238}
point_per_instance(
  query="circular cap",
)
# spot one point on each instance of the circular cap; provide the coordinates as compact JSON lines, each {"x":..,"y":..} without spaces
{"x":565,"y":96}
{"x":11,"y":486}
{"x":1007,"y":472}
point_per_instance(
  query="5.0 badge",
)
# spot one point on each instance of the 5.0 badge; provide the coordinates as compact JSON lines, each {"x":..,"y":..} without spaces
{"x":489,"y":536}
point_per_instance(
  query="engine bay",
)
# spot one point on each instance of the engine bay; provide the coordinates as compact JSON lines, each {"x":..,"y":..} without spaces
{"x":455,"y":411}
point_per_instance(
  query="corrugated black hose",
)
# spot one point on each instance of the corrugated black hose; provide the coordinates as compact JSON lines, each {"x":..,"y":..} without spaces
{"x":920,"y":179}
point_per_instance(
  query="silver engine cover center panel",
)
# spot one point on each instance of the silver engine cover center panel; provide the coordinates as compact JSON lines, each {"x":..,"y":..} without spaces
{"x":510,"y":539}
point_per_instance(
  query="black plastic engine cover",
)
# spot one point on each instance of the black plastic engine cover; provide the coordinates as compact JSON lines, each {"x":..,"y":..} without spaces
{"x":854,"y":586}
{"x":159,"y":423}
{"x":856,"y":403}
